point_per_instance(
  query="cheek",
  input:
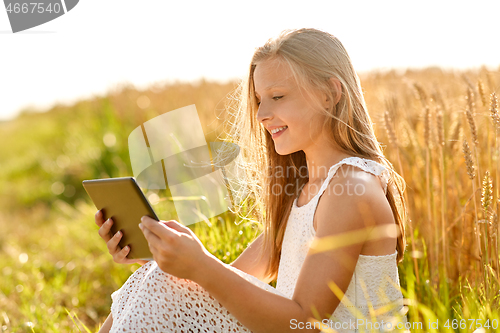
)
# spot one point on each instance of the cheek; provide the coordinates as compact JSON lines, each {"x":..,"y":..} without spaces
{"x":304,"y":122}
{"x":316,"y":127}
{"x":319,"y":125}
{"x":316,"y":122}
{"x":305,"y":131}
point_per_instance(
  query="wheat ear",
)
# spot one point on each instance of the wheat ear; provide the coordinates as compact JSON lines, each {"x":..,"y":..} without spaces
{"x":470,"y":116}
{"x":439,"y":126}
{"x":487,"y":191}
{"x":455,"y":133}
{"x":471,"y":170}
{"x":494,"y":112}
{"x":421,"y":95}
{"x":427,"y":126}
{"x":482,"y":94}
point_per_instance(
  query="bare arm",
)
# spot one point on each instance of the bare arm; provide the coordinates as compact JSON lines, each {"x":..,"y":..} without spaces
{"x":107,"y":325}
{"x":247,"y":261}
{"x":262,"y":311}
{"x":259,"y":310}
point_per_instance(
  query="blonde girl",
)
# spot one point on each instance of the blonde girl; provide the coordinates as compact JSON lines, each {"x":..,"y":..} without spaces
{"x":332,"y":208}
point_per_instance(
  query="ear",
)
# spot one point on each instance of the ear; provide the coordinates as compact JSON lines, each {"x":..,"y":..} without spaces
{"x":335,"y":83}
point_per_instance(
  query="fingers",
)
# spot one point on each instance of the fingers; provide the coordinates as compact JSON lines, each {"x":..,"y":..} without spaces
{"x":121,"y":255}
{"x":152,"y":238}
{"x":113,"y":243}
{"x":104,"y":230}
{"x":99,"y":220}
{"x":159,"y":229}
{"x":173,"y":224}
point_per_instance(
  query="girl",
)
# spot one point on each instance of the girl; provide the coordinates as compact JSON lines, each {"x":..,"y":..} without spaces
{"x":334,"y":222}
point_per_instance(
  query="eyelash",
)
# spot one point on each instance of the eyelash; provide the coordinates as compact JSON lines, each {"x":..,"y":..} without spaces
{"x":278,"y":97}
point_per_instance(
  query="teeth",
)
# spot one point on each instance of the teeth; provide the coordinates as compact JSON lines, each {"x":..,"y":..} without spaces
{"x":276,"y":130}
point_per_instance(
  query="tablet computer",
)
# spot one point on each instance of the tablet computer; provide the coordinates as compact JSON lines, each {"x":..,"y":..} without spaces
{"x":122,"y":200}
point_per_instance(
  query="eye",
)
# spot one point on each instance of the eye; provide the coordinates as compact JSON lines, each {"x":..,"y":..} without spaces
{"x":277,"y":97}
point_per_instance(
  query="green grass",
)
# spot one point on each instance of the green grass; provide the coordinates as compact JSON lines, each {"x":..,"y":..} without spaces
{"x":58,"y":263}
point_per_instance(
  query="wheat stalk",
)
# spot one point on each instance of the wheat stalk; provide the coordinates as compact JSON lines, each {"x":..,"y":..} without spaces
{"x":491,"y":83}
{"x":388,"y":124}
{"x":494,"y":220}
{"x":391,"y":104}
{"x":436,"y":95}
{"x":421,"y":95}
{"x":468,"y":81}
{"x":487,"y":191}
{"x":494,"y":112}
{"x":496,"y":123}
{"x":471,"y":171}
{"x":427,"y":126}
{"x":469,"y":113}
{"x":472,"y":174}
{"x":442,"y":169}
{"x":480,"y":88}
{"x":391,"y":108}
{"x":455,"y":134}
{"x":486,"y":197}
{"x":439,"y":126}
{"x":472,"y":125}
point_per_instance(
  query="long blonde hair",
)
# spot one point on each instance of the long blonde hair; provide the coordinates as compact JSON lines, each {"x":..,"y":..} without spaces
{"x":313,"y":56}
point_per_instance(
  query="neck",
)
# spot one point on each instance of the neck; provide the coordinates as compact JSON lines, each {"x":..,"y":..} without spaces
{"x":320,"y":159}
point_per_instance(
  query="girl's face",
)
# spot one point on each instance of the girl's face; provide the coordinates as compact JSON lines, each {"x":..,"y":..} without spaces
{"x":283,"y":107}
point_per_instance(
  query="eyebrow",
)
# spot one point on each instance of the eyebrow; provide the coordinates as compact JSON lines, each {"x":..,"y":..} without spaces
{"x":275,"y":85}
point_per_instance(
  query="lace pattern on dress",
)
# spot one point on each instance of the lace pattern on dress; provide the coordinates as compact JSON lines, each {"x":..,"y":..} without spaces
{"x":366,"y":165}
{"x":154,"y":301}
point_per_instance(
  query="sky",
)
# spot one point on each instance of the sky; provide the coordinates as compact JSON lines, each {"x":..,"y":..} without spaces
{"x":101,"y":44}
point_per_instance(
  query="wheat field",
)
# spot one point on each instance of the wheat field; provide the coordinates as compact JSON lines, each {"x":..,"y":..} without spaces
{"x":440,"y":130}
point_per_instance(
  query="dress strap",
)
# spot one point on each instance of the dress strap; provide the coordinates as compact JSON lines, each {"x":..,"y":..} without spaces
{"x":364,"y":164}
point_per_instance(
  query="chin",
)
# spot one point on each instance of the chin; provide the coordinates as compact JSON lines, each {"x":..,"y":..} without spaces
{"x":284,"y":151}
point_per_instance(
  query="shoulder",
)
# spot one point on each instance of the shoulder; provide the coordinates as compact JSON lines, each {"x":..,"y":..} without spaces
{"x":356,"y":184}
{"x":353,"y":200}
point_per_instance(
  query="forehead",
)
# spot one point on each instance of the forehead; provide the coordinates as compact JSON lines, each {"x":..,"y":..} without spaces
{"x":271,"y":74}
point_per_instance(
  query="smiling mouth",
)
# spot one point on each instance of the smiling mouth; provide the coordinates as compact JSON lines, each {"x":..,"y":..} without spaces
{"x":278,"y":130}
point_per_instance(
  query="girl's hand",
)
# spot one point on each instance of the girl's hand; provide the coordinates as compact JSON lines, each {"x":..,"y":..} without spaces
{"x":119,"y":254}
{"x":175,"y":248}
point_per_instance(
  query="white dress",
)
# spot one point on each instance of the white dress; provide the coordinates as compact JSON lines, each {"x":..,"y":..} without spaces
{"x":154,"y":301}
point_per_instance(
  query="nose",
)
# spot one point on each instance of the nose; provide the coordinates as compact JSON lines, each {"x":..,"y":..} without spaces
{"x":263,"y":113}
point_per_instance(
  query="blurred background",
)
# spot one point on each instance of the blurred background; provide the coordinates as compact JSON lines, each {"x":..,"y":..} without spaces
{"x":74,"y":88}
